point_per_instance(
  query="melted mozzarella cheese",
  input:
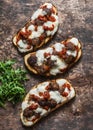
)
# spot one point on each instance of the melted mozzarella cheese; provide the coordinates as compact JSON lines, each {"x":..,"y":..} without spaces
{"x":31,"y":27}
{"x":36,"y":14}
{"x":74,"y":41}
{"x":42,"y":86}
{"x":41,"y":111}
{"x":71,"y":93}
{"x":73,"y":53}
{"x":58,"y":47}
{"x":23,"y":29}
{"x":24,"y":104}
{"x":34,"y":91}
{"x":50,"y":24}
{"x":49,"y":5}
{"x":56,"y":96}
{"x":22,"y":44}
{"x":40,"y":55}
{"x":59,"y":64}
{"x":37,"y":33}
{"x":61,"y":82}
{"x":24,"y":50}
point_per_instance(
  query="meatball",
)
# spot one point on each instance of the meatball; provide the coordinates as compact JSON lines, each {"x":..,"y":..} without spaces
{"x":53,"y":86}
{"x":70,"y":46}
{"x":28,"y":112}
{"x":52,"y":103}
{"x":69,"y":59}
{"x":42,"y":69}
{"x":35,"y":41}
{"x":42,"y":102}
{"x":32,"y":60}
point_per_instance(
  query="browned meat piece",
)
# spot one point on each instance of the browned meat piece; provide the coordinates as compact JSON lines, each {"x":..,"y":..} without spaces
{"x":32,"y":60}
{"x":53,"y":86}
{"x":70,"y":46}
{"x":42,"y":102}
{"x":52,"y":103}
{"x":39,"y":22}
{"x":28,"y":112}
{"x":42,"y":69}
{"x":69,"y":59}
{"x":49,"y":62}
{"x":35,"y":41}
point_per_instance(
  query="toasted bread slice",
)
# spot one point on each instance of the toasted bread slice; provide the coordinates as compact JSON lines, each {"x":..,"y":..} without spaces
{"x":55,"y":59}
{"x":44,"y":98}
{"x":38,"y":30}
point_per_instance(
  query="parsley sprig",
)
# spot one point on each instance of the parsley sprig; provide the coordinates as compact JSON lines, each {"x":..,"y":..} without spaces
{"x":11,"y":83}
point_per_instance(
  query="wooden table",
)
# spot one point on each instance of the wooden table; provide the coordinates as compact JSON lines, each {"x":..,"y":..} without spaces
{"x":75,"y":18}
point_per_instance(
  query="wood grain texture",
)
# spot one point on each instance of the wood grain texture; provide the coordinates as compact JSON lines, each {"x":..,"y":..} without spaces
{"x":76,"y":19}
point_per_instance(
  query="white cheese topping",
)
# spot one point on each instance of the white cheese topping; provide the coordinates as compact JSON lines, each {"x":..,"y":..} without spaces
{"x":34,"y":91}
{"x":56,"y":96}
{"x":22,"y":44}
{"x":31,"y":27}
{"x":42,"y":86}
{"x":58,"y":47}
{"x":73,"y":53}
{"x":23,"y":29}
{"x":41,"y":111}
{"x":71,"y":93}
{"x":40,"y":55}
{"x":24,"y":104}
{"x":74,"y":41}
{"x":61,"y":82}
{"x":50,"y":24}
{"x":24,"y":50}
{"x":37,"y":33}
{"x":59,"y":64}
{"x":36,"y":14}
{"x":49,"y":5}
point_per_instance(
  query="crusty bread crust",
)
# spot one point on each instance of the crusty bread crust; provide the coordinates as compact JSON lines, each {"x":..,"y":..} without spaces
{"x":24,"y":121}
{"x":48,"y":38}
{"x":48,"y":74}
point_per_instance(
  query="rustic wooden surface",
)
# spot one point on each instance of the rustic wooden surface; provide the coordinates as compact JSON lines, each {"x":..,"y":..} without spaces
{"x":75,"y":18}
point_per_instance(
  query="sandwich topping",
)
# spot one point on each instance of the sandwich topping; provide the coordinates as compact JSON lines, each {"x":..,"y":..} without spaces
{"x":55,"y":59}
{"x":43,"y":24}
{"x":45,"y":97}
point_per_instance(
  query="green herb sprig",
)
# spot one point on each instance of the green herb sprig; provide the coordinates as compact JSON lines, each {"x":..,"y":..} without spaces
{"x":11,"y":83}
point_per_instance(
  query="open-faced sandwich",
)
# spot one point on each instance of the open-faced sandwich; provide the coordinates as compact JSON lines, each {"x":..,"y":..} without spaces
{"x":38,"y":30}
{"x":44,"y":98}
{"x":55,"y":59}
